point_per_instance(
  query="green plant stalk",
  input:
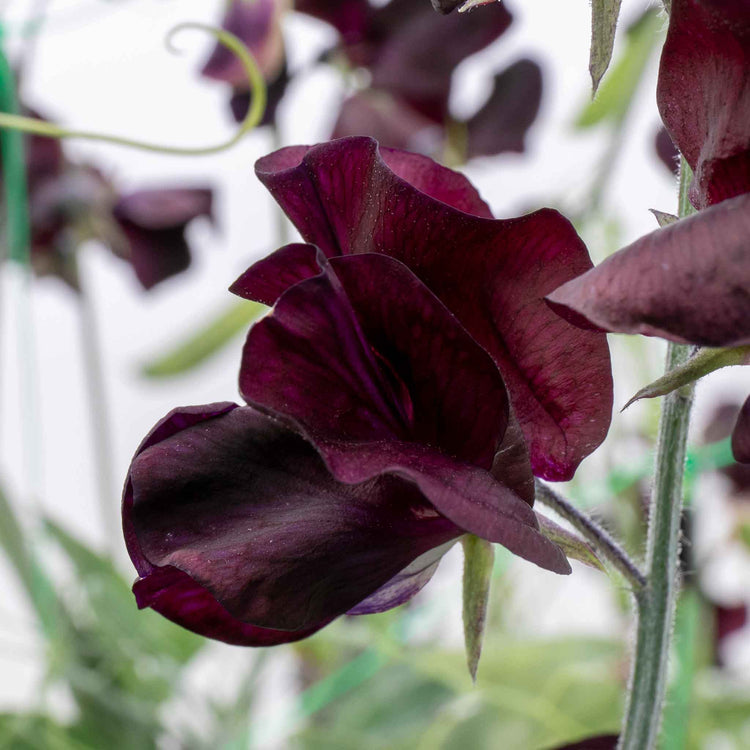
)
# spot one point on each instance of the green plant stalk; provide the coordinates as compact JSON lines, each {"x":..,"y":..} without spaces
{"x":656,"y":601}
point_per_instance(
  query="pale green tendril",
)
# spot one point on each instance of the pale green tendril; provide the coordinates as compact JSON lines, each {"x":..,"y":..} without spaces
{"x":251,"y":121}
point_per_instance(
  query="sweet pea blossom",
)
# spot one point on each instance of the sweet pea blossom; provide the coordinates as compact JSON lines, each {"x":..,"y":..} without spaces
{"x":377,"y":432}
{"x":704,"y":94}
{"x":71,"y":202}
{"x":349,"y":196}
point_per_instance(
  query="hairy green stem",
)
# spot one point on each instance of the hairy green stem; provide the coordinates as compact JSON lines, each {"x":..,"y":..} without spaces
{"x":599,"y":537}
{"x":656,"y":601}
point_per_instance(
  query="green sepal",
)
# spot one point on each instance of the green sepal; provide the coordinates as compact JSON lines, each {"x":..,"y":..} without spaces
{"x":479,"y":557}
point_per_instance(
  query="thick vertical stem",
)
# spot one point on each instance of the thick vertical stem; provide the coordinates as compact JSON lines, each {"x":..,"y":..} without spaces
{"x":656,"y":601}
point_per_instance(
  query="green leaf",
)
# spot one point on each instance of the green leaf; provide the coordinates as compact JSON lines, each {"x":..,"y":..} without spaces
{"x":479,"y":556}
{"x":704,"y":362}
{"x":39,"y":588}
{"x":571,"y":544}
{"x":604,"y":15}
{"x":207,"y":341}
{"x":616,"y":92}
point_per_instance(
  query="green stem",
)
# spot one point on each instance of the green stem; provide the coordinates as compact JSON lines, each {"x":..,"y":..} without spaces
{"x":93,"y":362}
{"x":656,"y":601}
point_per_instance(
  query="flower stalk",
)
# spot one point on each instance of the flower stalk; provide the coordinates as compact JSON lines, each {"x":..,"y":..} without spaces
{"x":599,"y":537}
{"x":657,"y":600}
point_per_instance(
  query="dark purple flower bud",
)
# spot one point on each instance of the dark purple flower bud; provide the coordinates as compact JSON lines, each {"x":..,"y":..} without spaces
{"x":666,"y":151}
{"x":153,"y":223}
{"x":501,"y":124}
{"x":704,"y":94}
{"x":349,"y":197}
{"x":741,"y":435}
{"x":687,"y":282}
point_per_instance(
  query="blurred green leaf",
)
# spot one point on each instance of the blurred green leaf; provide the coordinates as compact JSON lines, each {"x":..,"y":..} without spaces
{"x":616,"y":92}
{"x":604,"y":15}
{"x":202,"y":344}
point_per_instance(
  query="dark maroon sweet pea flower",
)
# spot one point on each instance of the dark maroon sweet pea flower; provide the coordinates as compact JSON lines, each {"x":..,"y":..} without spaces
{"x":687,"y":282}
{"x":741,"y":435}
{"x":257,"y":24}
{"x":350,"y":197}
{"x":154,"y":222}
{"x":704,"y":94}
{"x":727,"y":620}
{"x":374,"y":419}
{"x":412,"y":52}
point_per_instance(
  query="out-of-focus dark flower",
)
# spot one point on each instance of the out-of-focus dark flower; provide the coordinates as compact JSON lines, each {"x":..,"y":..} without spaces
{"x":704,"y":94}
{"x":666,"y":151}
{"x":741,"y":435}
{"x":727,"y":620}
{"x":257,"y":24}
{"x":721,"y":425}
{"x":154,"y":222}
{"x":349,"y":197}
{"x":377,"y":433}
{"x":687,"y":282}
{"x":411,"y":54}
{"x":70,"y":203}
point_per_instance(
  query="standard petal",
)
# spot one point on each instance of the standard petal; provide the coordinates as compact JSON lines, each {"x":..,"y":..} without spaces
{"x":502,"y":122}
{"x":348,"y":197}
{"x":247,"y":509}
{"x":704,"y":94}
{"x":266,"y":280}
{"x":687,"y":282}
{"x":741,"y":435}
{"x":366,"y":352}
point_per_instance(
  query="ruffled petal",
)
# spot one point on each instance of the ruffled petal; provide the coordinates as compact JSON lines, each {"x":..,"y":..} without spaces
{"x":246,"y":509}
{"x":365,"y":352}
{"x":347,"y":197}
{"x":704,"y":94}
{"x":688,"y":282}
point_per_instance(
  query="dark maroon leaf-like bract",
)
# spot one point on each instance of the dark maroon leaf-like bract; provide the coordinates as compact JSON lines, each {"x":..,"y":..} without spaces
{"x":349,"y":197}
{"x":688,"y":282}
{"x":741,"y":435}
{"x":704,"y":94}
{"x":154,"y":223}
